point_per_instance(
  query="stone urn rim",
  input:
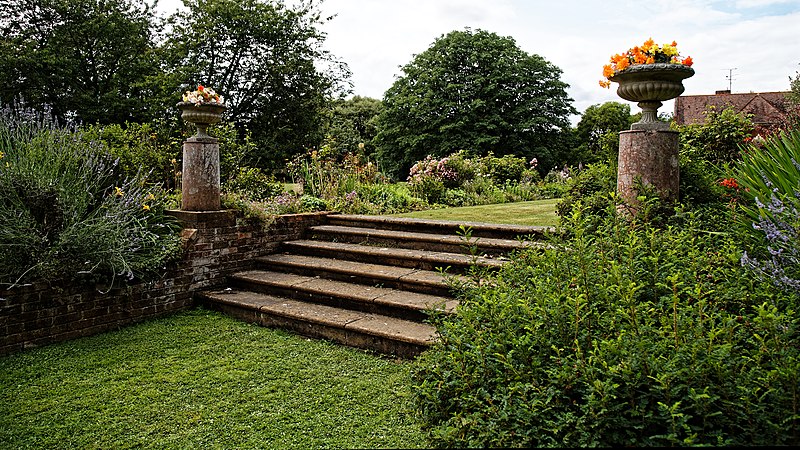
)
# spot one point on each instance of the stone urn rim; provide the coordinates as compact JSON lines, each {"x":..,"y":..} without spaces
{"x":680,"y":71}
{"x":649,"y":85}
{"x":201,"y":115}
{"x":186,"y":105}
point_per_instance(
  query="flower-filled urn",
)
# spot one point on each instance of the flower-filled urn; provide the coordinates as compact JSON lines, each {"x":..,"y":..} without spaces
{"x":648,"y":74}
{"x":202,"y":107}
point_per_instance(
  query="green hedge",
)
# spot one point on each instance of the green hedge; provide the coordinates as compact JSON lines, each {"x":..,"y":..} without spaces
{"x":627,"y":336}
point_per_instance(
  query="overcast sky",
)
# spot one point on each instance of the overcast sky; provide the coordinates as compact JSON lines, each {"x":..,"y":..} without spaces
{"x":759,"y":39}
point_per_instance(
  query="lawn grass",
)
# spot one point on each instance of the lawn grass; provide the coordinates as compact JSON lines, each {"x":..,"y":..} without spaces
{"x":199,"y":379}
{"x":539,"y":212}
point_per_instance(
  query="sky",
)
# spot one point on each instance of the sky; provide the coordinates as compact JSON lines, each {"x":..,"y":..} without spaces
{"x":747,"y":45}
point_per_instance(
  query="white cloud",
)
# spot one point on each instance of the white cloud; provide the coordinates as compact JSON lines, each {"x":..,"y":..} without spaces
{"x":757,"y":37}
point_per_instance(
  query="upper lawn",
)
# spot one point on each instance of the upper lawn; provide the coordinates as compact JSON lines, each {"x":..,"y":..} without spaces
{"x":202,"y":380}
{"x":539,"y":212}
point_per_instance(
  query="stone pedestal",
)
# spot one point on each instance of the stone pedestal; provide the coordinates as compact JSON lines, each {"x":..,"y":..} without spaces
{"x":200,"y":178}
{"x":653,"y":155}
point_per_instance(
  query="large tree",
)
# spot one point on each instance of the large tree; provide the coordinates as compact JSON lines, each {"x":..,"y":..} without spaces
{"x":91,"y":59}
{"x":598,"y":132}
{"x":476,"y":91}
{"x":267,"y":60}
{"x":351,"y":127}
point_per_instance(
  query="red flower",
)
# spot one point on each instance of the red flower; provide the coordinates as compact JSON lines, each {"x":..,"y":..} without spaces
{"x":730,"y":183}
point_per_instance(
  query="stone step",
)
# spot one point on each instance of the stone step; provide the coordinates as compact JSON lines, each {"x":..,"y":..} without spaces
{"x":359,"y":297}
{"x":415,"y":280}
{"x":402,"y":257}
{"x":377,"y":332}
{"x":447,"y":227}
{"x":414,"y":240}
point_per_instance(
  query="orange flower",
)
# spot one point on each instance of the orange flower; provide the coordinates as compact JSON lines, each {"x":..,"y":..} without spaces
{"x":200,"y":87}
{"x":605,"y":84}
{"x":730,"y":183}
{"x":647,"y":53}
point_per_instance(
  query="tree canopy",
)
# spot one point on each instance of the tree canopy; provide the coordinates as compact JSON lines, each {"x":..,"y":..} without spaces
{"x":473,"y":91}
{"x":351,"y":127}
{"x":83,"y":58}
{"x":115,"y":61}
{"x":267,"y":59}
{"x":598,"y":132}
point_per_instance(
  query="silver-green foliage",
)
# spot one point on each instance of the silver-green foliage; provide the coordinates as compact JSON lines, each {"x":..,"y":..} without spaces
{"x":66,"y":213}
{"x":770,"y":178}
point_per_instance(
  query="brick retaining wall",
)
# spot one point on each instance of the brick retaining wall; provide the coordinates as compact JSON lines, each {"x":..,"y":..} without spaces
{"x":216,"y":244}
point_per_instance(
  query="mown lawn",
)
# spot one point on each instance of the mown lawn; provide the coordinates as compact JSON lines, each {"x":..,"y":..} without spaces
{"x":539,"y":212}
{"x":202,"y":380}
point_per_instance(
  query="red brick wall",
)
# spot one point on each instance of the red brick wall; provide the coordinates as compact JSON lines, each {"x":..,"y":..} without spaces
{"x":216,"y":244}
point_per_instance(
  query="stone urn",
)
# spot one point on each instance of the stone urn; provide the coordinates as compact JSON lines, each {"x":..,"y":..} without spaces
{"x":649,"y":85}
{"x":201,"y":115}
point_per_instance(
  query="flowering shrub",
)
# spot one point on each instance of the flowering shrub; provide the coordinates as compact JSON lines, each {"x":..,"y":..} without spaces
{"x":431,"y":167}
{"x":65,"y":213}
{"x":203,"y":95}
{"x":457,"y":180}
{"x":648,"y":53}
{"x":719,"y":138}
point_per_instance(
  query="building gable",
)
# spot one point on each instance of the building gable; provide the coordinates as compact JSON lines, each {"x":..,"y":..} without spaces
{"x":767,"y":108}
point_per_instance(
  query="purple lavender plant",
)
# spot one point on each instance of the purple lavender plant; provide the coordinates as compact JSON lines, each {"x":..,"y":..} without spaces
{"x":770,"y":177}
{"x":779,"y":227}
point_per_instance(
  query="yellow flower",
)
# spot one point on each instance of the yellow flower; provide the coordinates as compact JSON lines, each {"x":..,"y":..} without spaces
{"x":150,"y":197}
{"x":118,"y":192}
{"x":670,"y":50}
{"x":145,"y":207}
{"x":647,"y":53}
{"x":2,"y":155}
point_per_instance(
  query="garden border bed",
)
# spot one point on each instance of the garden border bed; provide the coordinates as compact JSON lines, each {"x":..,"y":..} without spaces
{"x":216,"y":244}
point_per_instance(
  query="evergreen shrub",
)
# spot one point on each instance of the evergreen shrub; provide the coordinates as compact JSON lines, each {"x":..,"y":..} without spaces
{"x":629,"y":335}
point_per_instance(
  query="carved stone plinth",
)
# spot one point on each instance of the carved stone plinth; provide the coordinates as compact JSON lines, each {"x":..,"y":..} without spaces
{"x":651,"y":155}
{"x":200,"y":179}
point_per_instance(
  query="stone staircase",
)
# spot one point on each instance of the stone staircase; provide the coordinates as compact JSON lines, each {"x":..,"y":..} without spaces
{"x":366,"y":281}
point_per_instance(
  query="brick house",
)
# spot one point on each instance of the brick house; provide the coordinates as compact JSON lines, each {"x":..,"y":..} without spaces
{"x":768,"y":109}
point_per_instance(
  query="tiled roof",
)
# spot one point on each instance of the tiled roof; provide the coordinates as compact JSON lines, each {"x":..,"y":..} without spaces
{"x":766,"y":107}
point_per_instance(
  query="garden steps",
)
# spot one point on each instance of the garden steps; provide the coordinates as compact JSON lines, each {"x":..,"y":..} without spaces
{"x":364,"y":281}
{"x":377,"y":332}
{"x":402,"y":257}
{"x":447,"y":227}
{"x":416,"y":240}
{"x":414,"y":280}
{"x":398,"y":303}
